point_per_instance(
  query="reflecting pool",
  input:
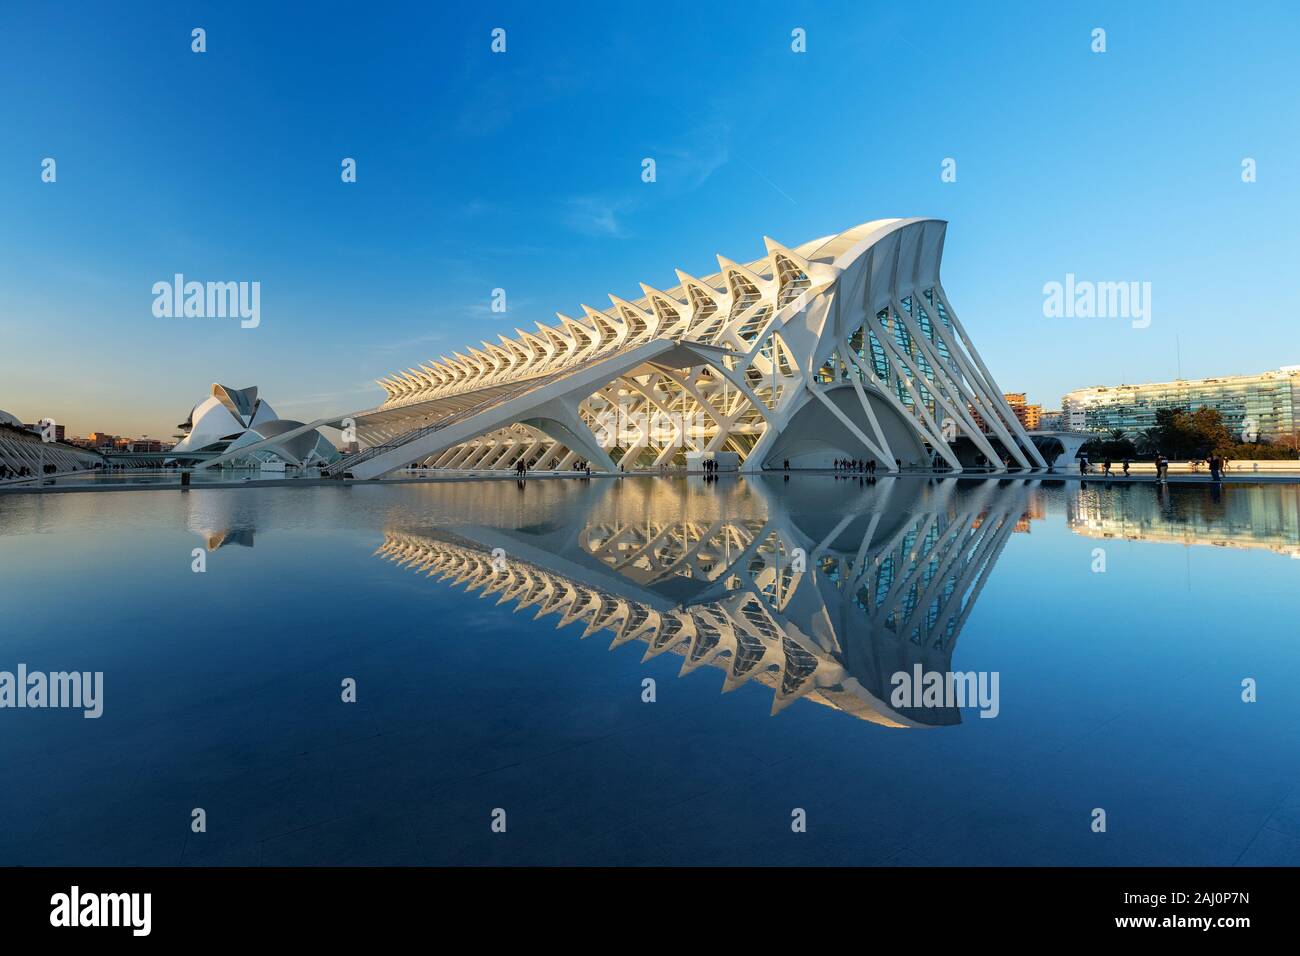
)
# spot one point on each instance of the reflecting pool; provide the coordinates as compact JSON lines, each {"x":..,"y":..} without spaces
{"x":912,"y":671}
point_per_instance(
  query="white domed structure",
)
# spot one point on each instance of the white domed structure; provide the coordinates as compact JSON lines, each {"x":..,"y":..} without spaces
{"x":233,"y":418}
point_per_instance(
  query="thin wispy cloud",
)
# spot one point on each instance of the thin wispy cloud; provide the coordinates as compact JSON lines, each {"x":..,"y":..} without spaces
{"x":598,"y":216}
{"x":407,"y":344}
{"x":680,"y":169}
{"x":455,"y":316}
{"x":684,"y":170}
{"x":491,"y":102}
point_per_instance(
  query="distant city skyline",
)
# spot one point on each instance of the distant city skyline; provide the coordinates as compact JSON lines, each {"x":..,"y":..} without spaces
{"x":524,"y":171}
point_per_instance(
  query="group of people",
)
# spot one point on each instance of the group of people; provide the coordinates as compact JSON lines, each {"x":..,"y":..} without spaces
{"x":1216,"y":462}
{"x":856,"y":465}
{"x":1106,"y":466}
{"x":581,"y":467}
{"x":25,"y":471}
{"x":1162,"y":466}
{"x":711,"y":469}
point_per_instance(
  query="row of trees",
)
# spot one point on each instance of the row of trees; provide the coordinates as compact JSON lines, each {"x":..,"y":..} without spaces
{"x":1183,"y":434}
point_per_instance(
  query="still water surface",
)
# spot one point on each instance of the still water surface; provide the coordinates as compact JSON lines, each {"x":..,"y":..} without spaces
{"x":503,"y":640}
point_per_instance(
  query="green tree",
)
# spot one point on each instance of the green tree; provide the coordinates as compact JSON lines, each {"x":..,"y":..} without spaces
{"x":1172,"y":434}
{"x":1208,"y":433}
{"x":1181,"y":433}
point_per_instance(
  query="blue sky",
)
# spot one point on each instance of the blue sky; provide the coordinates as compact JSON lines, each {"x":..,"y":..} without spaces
{"x":522,"y":171}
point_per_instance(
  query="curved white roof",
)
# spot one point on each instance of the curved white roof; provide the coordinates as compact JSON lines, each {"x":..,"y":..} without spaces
{"x":685,"y":311}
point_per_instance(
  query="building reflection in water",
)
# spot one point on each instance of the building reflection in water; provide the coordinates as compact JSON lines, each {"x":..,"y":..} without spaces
{"x":1235,"y":516}
{"x":820,"y":589}
{"x":824,"y":600}
{"x":221,"y":520}
{"x":220,"y":539}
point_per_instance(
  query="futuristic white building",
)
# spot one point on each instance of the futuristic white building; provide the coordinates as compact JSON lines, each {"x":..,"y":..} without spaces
{"x":232,"y":419}
{"x":23,"y":452}
{"x":843,"y":347}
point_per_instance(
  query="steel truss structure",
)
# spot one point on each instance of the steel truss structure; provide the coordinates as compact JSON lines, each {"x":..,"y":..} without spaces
{"x":845,"y":347}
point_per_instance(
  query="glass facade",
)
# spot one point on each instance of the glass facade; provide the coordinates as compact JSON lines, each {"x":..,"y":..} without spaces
{"x":1268,"y":403}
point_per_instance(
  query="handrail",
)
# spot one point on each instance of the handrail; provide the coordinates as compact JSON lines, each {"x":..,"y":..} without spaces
{"x":528,"y":385}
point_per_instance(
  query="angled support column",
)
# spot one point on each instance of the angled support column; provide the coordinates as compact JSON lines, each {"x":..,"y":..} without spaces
{"x":857,"y":432}
{"x":989,"y":383}
{"x":559,"y":420}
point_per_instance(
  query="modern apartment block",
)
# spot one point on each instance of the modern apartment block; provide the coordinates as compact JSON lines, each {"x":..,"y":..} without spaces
{"x":1029,"y":416}
{"x":1267,"y":404}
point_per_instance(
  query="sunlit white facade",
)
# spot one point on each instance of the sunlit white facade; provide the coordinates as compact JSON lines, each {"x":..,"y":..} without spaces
{"x":843,"y":347}
{"x":232,"y":419}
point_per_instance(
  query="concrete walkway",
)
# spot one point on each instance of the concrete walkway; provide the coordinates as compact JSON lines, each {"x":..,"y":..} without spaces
{"x":1191,"y":478}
